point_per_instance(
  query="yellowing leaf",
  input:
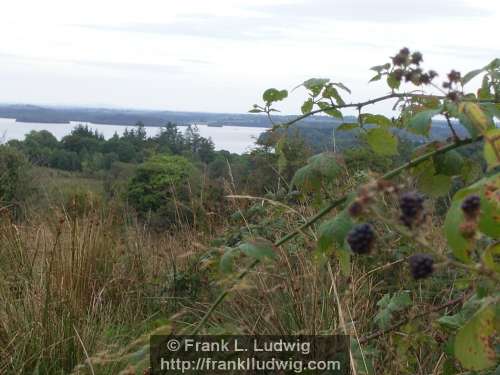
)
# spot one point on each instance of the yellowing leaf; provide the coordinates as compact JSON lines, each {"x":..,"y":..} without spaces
{"x":474,"y":341}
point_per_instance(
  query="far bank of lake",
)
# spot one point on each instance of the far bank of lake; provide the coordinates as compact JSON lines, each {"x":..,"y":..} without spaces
{"x":235,"y":139}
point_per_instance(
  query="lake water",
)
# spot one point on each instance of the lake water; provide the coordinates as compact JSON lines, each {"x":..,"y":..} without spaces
{"x":236,"y":139}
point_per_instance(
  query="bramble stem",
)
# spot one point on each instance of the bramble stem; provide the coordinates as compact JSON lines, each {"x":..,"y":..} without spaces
{"x":326,"y":210}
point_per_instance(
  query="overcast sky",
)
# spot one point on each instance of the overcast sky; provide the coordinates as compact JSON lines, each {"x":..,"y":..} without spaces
{"x":219,"y":55}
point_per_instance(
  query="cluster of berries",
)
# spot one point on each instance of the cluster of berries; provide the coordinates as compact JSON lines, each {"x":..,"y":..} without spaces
{"x":408,"y":68}
{"x":361,"y":238}
{"x":412,"y":208}
{"x":421,"y":265}
{"x":454,"y":78}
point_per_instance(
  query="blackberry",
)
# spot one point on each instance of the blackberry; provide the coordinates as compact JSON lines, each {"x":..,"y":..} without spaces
{"x":416,"y":58}
{"x":425,"y":79}
{"x":421,"y":266}
{"x":454,"y":76}
{"x":471,"y":205}
{"x":453,"y":96}
{"x":411,"y":205}
{"x":432,"y":74}
{"x":361,"y":238}
{"x":404,"y":52}
{"x":356,"y":208}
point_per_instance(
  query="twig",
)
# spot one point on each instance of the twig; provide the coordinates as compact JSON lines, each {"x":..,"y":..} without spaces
{"x":323,"y":212}
{"x":374,"y":335}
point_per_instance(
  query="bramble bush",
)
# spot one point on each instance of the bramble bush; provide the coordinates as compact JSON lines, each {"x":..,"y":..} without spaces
{"x":472,"y":223}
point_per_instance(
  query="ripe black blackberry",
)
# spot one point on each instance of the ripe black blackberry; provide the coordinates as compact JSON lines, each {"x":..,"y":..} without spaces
{"x":361,"y":238}
{"x":416,"y":58}
{"x":471,"y":205}
{"x":411,"y":205}
{"x":421,"y":265}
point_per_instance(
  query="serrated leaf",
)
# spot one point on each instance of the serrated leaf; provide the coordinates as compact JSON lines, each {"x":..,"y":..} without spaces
{"x":307,"y":106}
{"x":389,"y":305}
{"x":392,"y":82}
{"x":369,"y":119}
{"x":449,"y":164}
{"x":329,"y":110}
{"x":307,"y":179}
{"x":436,"y":185}
{"x":326,"y":164}
{"x":458,"y":243}
{"x":421,"y":122}
{"x":315,"y":85}
{"x":382,"y":141}
{"x":474,"y":341}
{"x":258,"y":248}
{"x":347,"y":126}
{"x":273,"y":95}
{"x":333,"y":232}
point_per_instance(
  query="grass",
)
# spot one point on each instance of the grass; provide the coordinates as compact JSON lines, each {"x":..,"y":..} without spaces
{"x":81,"y":281}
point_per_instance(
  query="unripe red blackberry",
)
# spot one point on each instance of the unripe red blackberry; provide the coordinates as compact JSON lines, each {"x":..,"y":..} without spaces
{"x":356,"y":208}
{"x":471,"y":205}
{"x":421,"y":266}
{"x":361,"y":238}
{"x":411,"y":205}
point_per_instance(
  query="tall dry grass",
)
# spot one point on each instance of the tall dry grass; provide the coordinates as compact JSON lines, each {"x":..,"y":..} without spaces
{"x":74,"y":282}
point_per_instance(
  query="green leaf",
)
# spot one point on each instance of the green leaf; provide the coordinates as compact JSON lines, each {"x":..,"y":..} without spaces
{"x":491,"y":257}
{"x":334,"y":231}
{"x":256,"y":110}
{"x":436,"y":185}
{"x":370,"y":119}
{"x":379,"y":68}
{"x":449,"y":164}
{"x":307,"y":179}
{"x":459,"y":245}
{"x":375,"y":78}
{"x":421,"y":122}
{"x":326,"y":164}
{"x":331,"y":92}
{"x":259,"y":248}
{"x":471,"y":75}
{"x":344,"y":257}
{"x":489,"y":150}
{"x":347,"y":126}
{"x":382,"y":141}
{"x":274,"y":95}
{"x":315,"y":85}
{"x":227,"y":259}
{"x":307,"y":106}
{"x":392,"y":82}
{"x":474,"y":342}
{"x":389,"y":305}
{"x":329,"y":110}
{"x":342,"y":86}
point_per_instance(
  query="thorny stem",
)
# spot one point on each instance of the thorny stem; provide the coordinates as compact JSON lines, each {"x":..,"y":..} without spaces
{"x":423,"y":243}
{"x":360,"y":105}
{"x":333,"y":204}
